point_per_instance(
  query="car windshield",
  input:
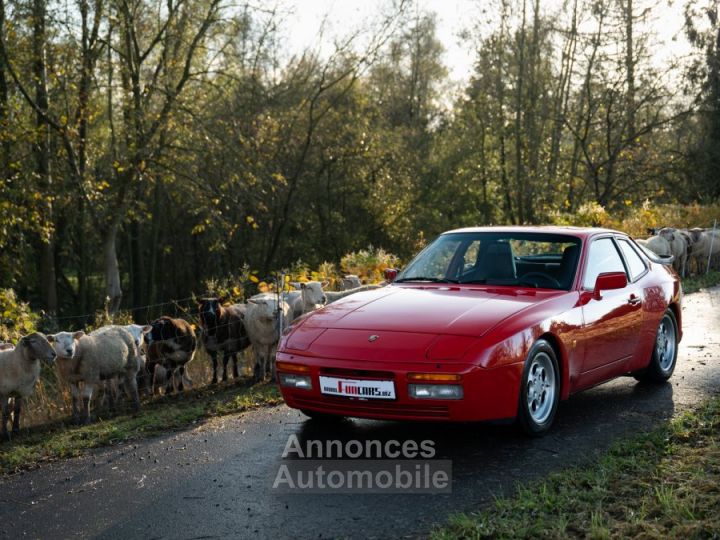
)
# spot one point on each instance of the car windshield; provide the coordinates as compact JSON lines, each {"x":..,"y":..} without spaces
{"x":497,"y":258}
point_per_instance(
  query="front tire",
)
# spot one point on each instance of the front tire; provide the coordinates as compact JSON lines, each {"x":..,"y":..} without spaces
{"x":664,"y":355}
{"x":539,"y":390}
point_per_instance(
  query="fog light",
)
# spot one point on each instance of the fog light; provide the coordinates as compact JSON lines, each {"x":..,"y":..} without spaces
{"x":296,"y":381}
{"x":436,"y":391}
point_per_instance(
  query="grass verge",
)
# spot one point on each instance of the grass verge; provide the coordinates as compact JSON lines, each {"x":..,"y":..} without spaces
{"x":663,"y":484}
{"x":695,"y":283}
{"x":159,"y":415}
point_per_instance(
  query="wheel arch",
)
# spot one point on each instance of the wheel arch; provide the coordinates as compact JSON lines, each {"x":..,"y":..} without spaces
{"x":561,"y":356}
{"x":677,"y":312}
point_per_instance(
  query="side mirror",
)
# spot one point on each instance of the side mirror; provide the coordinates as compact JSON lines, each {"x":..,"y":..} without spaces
{"x":609,"y":281}
{"x":390,"y":274}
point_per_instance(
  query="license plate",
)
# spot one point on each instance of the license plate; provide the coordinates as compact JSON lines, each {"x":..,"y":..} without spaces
{"x":334,"y":386}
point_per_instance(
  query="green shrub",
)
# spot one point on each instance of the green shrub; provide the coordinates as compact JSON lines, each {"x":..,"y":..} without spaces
{"x":17,"y":318}
{"x":369,"y":264}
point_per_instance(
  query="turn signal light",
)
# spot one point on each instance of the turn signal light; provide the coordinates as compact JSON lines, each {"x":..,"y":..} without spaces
{"x":292,"y":368}
{"x":434,"y":377}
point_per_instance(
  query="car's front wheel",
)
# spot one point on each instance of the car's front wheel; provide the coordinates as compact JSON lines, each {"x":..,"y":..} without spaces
{"x":665,"y":349}
{"x":540,"y":390}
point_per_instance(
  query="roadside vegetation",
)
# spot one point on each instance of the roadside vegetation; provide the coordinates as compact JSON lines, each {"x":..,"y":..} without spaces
{"x":702,"y":281}
{"x":663,"y":484}
{"x":162,"y":414}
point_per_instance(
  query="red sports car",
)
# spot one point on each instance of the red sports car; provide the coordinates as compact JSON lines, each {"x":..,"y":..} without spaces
{"x":489,"y":323}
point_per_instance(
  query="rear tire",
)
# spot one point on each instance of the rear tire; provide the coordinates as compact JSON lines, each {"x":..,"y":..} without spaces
{"x":539,"y":390}
{"x":664,"y":354}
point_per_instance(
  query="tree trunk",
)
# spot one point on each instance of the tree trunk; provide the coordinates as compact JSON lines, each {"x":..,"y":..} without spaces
{"x":519,"y":169}
{"x":113,"y":289}
{"x":6,"y":146}
{"x":48,"y":286}
{"x":630,"y":68}
{"x":151,"y":282}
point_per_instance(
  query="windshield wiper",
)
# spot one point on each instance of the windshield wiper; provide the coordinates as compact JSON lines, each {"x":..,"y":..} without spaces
{"x":475,"y":281}
{"x":430,"y":279}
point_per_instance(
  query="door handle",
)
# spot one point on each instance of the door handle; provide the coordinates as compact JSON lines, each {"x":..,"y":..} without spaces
{"x":634,"y":300}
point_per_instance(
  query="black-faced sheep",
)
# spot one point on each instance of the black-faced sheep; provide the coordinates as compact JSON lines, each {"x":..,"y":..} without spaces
{"x":170,"y":345}
{"x":223,"y":331}
{"x":19,"y":372}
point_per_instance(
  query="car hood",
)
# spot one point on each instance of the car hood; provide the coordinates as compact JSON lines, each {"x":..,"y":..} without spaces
{"x":408,"y":323}
{"x":426,"y":310}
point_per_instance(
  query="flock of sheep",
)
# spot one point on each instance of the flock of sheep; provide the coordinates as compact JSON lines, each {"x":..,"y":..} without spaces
{"x":150,"y":356}
{"x":688,"y":247}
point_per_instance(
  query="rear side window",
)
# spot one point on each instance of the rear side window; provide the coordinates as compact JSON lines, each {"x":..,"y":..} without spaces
{"x":635,"y":263}
{"x":604,"y":257}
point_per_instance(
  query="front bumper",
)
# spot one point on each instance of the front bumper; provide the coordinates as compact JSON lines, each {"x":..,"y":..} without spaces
{"x":488,"y":394}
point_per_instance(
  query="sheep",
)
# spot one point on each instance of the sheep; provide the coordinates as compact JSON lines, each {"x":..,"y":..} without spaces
{"x":706,"y":243}
{"x":164,"y":378}
{"x":658,"y":245}
{"x":223,"y":330}
{"x":351,"y":281}
{"x":678,"y":248}
{"x":262,"y":322}
{"x":6,"y":346}
{"x":105,"y":353}
{"x":138,"y":332}
{"x":311,"y":297}
{"x":19,"y":372}
{"x":171,"y":344}
{"x":333,"y":296}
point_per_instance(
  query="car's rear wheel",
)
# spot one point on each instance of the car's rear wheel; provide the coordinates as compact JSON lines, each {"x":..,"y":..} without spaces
{"x":321,"y":417}
{"x":540,"y":390}
{"x":665,"y":349}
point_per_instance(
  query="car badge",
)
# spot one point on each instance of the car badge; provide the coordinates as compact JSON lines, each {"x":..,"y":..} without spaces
{"x":373,"y":338}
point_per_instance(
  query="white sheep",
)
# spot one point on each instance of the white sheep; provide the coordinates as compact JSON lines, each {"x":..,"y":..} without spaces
{"x":333,"y":296}
{"x":678,"y":248}
{"x":706,"y":243}
{"x":351,"y":281}
{"x":138,"y":331}
{"x":311,"y":297}
{"x":107,"y":352}
{"x":262,"y":323}
{"x":6,"y":346}
{"x":658,"y":245}
{"x":19,"y":372}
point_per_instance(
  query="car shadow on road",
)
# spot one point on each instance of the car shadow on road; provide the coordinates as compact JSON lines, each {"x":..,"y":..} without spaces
{"x":586,"y":424}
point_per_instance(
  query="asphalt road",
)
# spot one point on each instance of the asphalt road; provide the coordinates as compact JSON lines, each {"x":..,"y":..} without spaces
{"x":215,"y":481}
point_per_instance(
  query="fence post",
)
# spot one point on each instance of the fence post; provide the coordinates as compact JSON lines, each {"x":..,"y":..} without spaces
{"x":281,"y":299}
{"x":712,"y":239}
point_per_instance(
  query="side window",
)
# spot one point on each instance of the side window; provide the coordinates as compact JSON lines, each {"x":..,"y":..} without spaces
{"x":604,"y":257}
{"x":635,"y":263}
